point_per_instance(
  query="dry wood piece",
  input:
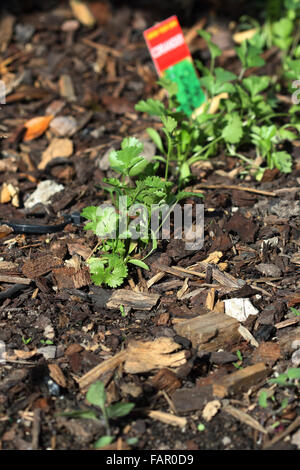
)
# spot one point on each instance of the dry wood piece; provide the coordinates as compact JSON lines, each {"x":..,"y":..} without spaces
{"x":149,"y":355}
{"x":14,"y":279}
{"x":210,"y":332}
{"x":178,"y":271}
{"x":69,"y":278}
{"x":240,"y":380}
{"x":168,"y":418}
{"x":190,"y":399}
{"x":34,"y":268}
{"x":92,"y":375}
{"x":267,"y":352}
{"x":244,"y":418}
{"x":57,"y":375}
{"x":167,"y":380}
{"x":285,"y":341}
{"x":210,"y":299}
{"x":136,"y":300}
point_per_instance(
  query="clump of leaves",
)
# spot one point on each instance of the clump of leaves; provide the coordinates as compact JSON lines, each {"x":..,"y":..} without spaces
{"x":96,"y":396}
{"x":123,"y":228}
{"x":247,"y":118}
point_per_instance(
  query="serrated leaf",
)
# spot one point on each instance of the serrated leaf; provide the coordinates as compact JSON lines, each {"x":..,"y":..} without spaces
{"x":233,"y":131}
{"x":89,"y":212}
{"x":169,"y":123}
{"x":255,"y":84}
{"x":132,"y":142}
{"x":282,"y":161}
{"x":151,"y":107}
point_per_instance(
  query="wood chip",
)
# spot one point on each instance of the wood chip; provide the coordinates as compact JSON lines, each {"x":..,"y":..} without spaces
{"x":94,"y":374}
{"x":14,"y":279}
{"x":70,"y":278}
{"x":57,"y":375}
{"x":267,"y":352}
{"x":240,"y":380}
{"x":244,"y":418}
{"x":39,"y":266}
{"x":210,"y":332}
{"x":58,"y":148}
{"x":150,"y":355}
{"x":66,"y":88}
{"x":135,"y":300}
{"x":211,"y":409}
{"x":6,"y":26}
{"x":168,"y":418}
{"x":245,"y":333}
{"x":166,"y":379}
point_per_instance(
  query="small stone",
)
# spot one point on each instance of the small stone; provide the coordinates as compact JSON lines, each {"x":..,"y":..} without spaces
{"x":49,"y":352}
{"x":269,"y":269}
{"x":45,"y":190}
{"x":296,"y":358}
{"x":296,"y":344}
{"x":226,"y":441}
{"x":24,"y":32}
{"x":63,"y":126}
{"x":239,"y":308}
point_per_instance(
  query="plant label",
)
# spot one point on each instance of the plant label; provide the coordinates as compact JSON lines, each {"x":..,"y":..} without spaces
{"x":172,"y":60}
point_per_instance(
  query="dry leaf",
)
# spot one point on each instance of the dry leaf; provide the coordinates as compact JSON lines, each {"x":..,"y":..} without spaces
{"x":35,"y":127}
{"x":243,"y":35}
{"x":214,"y":105}
{"x":82,"y":12}
{"x":19,"y":354}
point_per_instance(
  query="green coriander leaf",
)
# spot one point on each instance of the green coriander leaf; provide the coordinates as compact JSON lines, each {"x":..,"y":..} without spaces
{"x":255,"y":84}
{"x":151,"y":107}
{"x":282,"y":161}
{"x":169,"y":123}
{"x":233,"y":131}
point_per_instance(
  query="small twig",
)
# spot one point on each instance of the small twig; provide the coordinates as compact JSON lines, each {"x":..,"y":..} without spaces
{"x":102,"y":47}
{"x":239,"y":188}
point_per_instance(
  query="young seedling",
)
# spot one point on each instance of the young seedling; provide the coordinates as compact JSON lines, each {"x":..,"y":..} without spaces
{"x":96,"y":396}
